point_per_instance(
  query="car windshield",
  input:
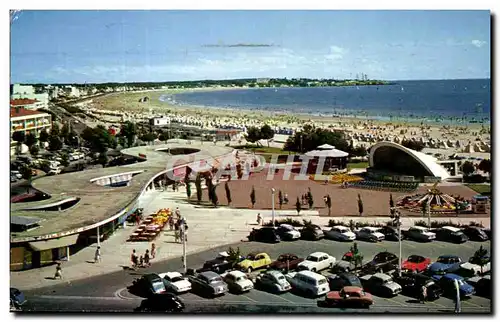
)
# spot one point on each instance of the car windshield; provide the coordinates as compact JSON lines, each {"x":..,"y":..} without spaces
{"x":251,"y":257}
{"x":158,"y":286}
{"x":460,"y":282}
{"x":240,"y":279}
{"x":321,"y":281}
{"x":312,"y":258}
{"x":456,"y":233}
{"x":343,"y":230}
{"x":215,"y":280}
{"x":446,"y":260}
{"x":177,"y":279}
{"x":415,"y":259}
{"x":281,"y":277}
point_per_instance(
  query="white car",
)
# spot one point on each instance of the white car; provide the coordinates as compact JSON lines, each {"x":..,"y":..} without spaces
{"x":237,"y":281}
{"x":309,"y":283}
{"x":175,"y":282}
{"x":474,"y":269}
{"x":16,"y":173}
{"x":371,"y":234}
{"x":316,"y":262}
{"x":419,"y":233}
{"x":340,"y":233}
{"x":288,"y":232}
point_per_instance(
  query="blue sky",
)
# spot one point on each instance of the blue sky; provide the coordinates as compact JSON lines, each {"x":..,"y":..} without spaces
{"x":120,"y":46}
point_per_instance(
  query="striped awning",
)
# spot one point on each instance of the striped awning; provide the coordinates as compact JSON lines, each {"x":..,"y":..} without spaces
{"x":54,"y":243}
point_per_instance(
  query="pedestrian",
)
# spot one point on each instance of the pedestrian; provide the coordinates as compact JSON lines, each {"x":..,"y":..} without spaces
{"x":58,"y":273}
{"x":97,"y":256}
{"x":141,"y":261}
{"x":178,"y":213}
{"x":171,"y":222}
{"x":176,"y":234}
{"x":423,"y":294}
{"x":146,"y":258}
{"x":259,"y":219}
{"x":153,"y":250}
{"x":285,"y":198}
{"x":133,"y":259}
{"x":326,"y":180}
{"x":137,"y":219}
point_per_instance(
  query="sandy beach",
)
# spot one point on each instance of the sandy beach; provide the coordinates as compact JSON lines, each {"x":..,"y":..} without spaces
{"x":471,"y":141}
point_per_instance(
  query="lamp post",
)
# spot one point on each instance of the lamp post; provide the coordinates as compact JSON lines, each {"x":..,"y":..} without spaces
{"x":396,"y":216}
{"x":183,"y":236}
{"x":272,"y":194}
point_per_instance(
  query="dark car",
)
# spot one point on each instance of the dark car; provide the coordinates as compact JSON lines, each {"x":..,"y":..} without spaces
{"x":166,"y":302}
{"x":451,"y":234}
{"x":209,"y":283}
{"x":148,"y":285}
{"x":17,"y":298}
{"x":447,"y":284}
{"x":482,"y":285}
{"x":487,"y":232}
{"x":286,"y":262}
{"x":444,"y":264}
{"x":265,"y":235}
{"x":475,"y":233}
{"x":218,"y":265}
{"x":391,"y":233}
{"x":382,"y":262}
{"x":412,"y":285}
{"x":337,"y":282}
{"x":380,"y":284}
{"x":312,"y":232}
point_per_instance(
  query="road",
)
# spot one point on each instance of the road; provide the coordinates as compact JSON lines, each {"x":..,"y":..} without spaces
{"x":109,"y":292}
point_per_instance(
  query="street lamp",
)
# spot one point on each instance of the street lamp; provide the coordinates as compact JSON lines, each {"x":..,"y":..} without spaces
{"x":183,"y":236}
{"x":272,"y":194}
{"x":396,"y":217}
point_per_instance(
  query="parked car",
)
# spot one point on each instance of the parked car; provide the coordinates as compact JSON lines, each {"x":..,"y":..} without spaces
{"x":265,"y":235}
{"x":370,"y":234}
{"x":381,"y":262}
{"x":307,"y":282}
{"x":380,"y":284}
{"x":468,"y":269}
{"x":349,"y":296}
{"x":175,"y":282}
{"x":451,"y":234}
{"x":345,"y":265}
{"x":209,"y":283}
{"x":16,"y":173}
{"x":13,"y":178}
{"x":487,"y":232}
{"x":340,"y":233}
{"x":390,"y":233}
{"x":412,"y":283}
{"x":272,"y":281}
{"x":254,"y":261}
{"x":288,"y":232}
{"x":482,"y":285}
{"x":475,"y":233}
{"x":220,"y":264}
{"x":148,"y":285}
{"x":416,"y":263}
{"x":311,"y":232}
{"x":447,"y":284}
{"x":165,"y":302}
{"x":286,"y":262}
{"x":420,"y":234}
{"x":316,"y":262}
{"x":17,"y":299}
{"x":237,"y":282}
{"x":337,"y":282}
{"x":444,"y":264}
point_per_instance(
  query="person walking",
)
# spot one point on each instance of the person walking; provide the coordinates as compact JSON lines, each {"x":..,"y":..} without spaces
{"x":423,"y":294}
{"x":141,"y":261}
{"x":58,"y":273}
{"x":97,"y":256}
{"x":171,"y":222}
{"x":153,"y":250}
{"x":133,"y":259}
{"x":146,"y":258}
{"x":259,"y":219}
{"x":178,"y":213}
{"x":176,"y":235}
{"x":285,"y":198}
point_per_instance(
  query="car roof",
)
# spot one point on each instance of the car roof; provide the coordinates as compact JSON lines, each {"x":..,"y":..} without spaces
{"x":209,"y":274}
{"x":370,"y":228}
{"x":453,"y":229}
{"x":318,"y":254}
{"x":419,"y":227}
{"x":150,"y":277}
{"x":340,"y":227}
{"x":173,"y":274}
{"x":381,"y":276}
{"x":311,"y":274}
{"x":236,"y":273}
{"x":448,"y":256}
{"x":273,"y":273}
{"x":352,"y":289}
{"x":287,"y":226}
{"x":453,"y":276}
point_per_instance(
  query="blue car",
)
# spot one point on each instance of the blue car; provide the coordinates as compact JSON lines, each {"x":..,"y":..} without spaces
{"x":447,"y":284}
{"x":445,"y":264}
{"x":17,"y":298}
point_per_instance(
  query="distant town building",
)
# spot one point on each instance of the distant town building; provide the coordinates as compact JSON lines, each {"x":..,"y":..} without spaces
{"x":28,"y":121}
{"x":27,"y":92}
{"x":159,"y":121}
{"x":262,"y":80}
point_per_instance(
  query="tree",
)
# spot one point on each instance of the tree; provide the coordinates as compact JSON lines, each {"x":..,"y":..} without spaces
{"x":468,"y":168}
{"x":64,"y":134}
{"x":228,"y":193}
{"x":188,"y":189}
{"x":73,"y":139}
{"x":65,"y":160}
{"x":310,"y":200}
{"x":19,"y":137}
{"x":34,"y":150}
{"x":480,"y":257}
{"x":357,"y":257}
{"x":148,"y":137}
{"x":252,"y":196}
{"x":310,"y":137}
{"x":414,"y":145}
{"x":31,"y":140}
{"x":55,"y":130}
{"x":27,"y":173}
{"x":44,"y":136}
{"x":280,"y":198}
{"x":234,"y":255}
{"x":424,"y":208}
{"x":360,"y":205}
{"x":328,"y":202}
{"x":485,"y":165}
{"x":102,"y":159}
{"x":253,"y":134}
{"x":129,"y":131}
{"x":359,"y":151}
{"x":266,"y":133}
{"x":55,"y":143}
{"x":163,"y":136}
{"x":199,"y":191}
{"x":298,"y":206}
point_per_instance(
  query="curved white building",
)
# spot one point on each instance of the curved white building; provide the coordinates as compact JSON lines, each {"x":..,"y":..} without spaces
{"x":397,"y":159}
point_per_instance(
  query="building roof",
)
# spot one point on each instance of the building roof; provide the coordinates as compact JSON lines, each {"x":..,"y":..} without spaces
{"x":326,"y":147}
{"x":332,"y":153}
{"x":19,"y":112}
{"x":22,"y":101}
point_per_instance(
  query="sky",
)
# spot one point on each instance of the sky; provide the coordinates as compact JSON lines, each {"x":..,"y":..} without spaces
{"x":139,"y":46}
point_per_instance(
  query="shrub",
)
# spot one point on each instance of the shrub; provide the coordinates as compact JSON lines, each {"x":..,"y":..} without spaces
{"x":421,"y":223}
{"x":288,"y":221}
{"x":475,"y":224}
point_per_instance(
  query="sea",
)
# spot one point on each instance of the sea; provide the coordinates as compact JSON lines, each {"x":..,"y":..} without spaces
{"x":463,"y":101}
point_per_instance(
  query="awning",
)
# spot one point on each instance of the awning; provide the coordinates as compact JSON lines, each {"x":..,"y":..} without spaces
{"x":54,"y":243}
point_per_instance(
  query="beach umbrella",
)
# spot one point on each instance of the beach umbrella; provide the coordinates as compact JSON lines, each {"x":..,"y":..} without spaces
{"x":326,"y":147}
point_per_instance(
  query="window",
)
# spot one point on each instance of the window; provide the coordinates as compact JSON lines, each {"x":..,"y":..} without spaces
{"x":158,"y":286}
{"x":321,"y":281}
{"x":215,"y":280}
{"x":312,"y":258}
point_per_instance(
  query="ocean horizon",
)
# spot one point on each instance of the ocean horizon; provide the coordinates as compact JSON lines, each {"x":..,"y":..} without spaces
{"x":462,"y":101}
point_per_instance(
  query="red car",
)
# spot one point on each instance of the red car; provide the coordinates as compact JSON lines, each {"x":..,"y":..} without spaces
{"x":349,"y":296}
{"x":286,"y":262}
{"x":416,"y":263}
